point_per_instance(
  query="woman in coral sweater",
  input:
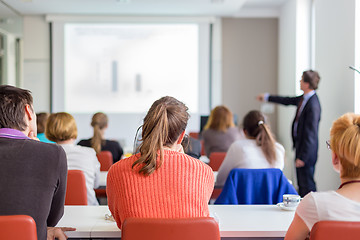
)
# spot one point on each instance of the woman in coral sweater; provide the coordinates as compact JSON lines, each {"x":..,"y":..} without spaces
{"x":160,"y":181}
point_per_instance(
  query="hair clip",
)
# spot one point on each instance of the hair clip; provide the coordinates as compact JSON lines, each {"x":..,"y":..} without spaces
{"x":261,"y":122}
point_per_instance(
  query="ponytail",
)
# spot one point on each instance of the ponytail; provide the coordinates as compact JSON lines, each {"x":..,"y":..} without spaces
{"x":255,"y":126}
{"x":99,"y":121}
{"x":163,"y":124}
{"x":96,"y":140}
{"x":267,"y":143}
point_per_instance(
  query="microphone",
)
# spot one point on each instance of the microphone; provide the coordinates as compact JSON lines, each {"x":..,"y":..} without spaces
{"x":353,"y":68}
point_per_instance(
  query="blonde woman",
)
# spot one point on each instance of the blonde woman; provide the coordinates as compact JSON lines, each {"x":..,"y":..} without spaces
{"x":344,"y":203}
{"x":160,"y":181}
{"x":220,"y":131}
{"x":100,"y":123}
{"x":257,"y":150}
{"x":61,"y":128}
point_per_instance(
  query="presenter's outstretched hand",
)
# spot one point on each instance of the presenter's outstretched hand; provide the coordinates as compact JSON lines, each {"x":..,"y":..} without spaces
{"x":260,"y":97}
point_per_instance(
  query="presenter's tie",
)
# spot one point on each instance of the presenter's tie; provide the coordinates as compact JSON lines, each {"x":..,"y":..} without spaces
{"x":298,"y":109}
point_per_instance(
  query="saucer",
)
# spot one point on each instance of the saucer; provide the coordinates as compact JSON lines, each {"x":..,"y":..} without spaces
{"x":282,"y":206}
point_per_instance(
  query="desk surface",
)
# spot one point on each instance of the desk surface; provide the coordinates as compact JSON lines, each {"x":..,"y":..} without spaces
{"x":234,"y":221}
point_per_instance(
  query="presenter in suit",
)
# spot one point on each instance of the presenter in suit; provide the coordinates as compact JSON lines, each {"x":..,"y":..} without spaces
{"x":305,"y":128}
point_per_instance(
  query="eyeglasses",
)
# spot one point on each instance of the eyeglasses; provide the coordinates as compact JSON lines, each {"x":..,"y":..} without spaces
{"x":328,"y":144}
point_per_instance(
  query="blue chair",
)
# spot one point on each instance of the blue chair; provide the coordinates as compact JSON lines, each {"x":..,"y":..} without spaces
{"x":255,"y":186}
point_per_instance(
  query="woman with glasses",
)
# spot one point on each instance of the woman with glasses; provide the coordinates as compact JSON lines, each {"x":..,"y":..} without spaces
{"x":344,"y":203}
{"x":160,"y":181}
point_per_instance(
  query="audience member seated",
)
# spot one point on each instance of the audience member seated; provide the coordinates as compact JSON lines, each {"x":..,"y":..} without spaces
{"x":257,"y":150}
{"x":41,"y":119}
{"x":100,"y":123}
{"x":160,"y":181}
{"x":220,"y":131}
{"x":61,"y":128}
{"x":32,"y":173}
{"x":344,"y":203}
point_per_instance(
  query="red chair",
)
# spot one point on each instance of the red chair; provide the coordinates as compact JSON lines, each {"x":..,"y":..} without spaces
{"x":204,"y":228}
{"x":18,"y":227}
{"x":202,"y":148}
{"x":106,"y":160}
{"x":216,"y":159}
{"x":76,"y":192}
{"x":334,"y":230}
{"x":216,"y":193}
{"x":194,"y":135}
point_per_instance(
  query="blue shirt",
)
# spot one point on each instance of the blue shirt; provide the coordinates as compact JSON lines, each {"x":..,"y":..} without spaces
{"x":306,"y":98}
{"x":42,"y":138}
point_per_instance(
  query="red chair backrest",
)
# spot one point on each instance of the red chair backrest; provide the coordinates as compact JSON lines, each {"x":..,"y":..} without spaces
{"x":334,"y":230}
{"x":204,"y":228}
{"x":106,"y":160}
{"x":216,"y":159}
{"x":76,"y":192}
{"x":202,"y":148}
{"x":18,"y":227}
{"x":194,"y":135}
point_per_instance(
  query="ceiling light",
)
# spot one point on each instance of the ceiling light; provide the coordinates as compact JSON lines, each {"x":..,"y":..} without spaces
{"x":123,"y":1}
{"x":217,"y":1}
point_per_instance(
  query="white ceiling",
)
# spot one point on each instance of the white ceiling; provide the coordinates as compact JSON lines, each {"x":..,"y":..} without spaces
{"x":136,"y":7}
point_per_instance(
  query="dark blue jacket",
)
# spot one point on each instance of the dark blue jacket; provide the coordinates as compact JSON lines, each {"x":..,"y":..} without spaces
{"x":306,"y":141}
{"x":255,"y":186}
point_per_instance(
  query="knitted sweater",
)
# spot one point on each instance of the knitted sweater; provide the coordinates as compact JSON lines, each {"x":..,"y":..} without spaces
{"x":180,"y":188}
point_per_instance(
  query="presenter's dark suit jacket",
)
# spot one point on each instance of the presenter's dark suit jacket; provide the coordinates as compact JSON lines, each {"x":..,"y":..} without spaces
{"x":306,"y":141}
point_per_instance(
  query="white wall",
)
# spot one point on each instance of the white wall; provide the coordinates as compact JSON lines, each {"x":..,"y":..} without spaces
{"x":249,"y":63}
{"x":37,"y":61}
{"x":335,"y":51}
{"x":216,"y":84}
{"x":303,"y":39}
{"x":287,"y":79}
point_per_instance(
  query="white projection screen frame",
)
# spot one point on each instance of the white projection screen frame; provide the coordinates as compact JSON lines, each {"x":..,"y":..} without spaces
{"x":123,"y":124}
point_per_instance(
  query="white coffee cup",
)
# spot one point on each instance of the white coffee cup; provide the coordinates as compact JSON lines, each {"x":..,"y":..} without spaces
{"x":291,"y":200}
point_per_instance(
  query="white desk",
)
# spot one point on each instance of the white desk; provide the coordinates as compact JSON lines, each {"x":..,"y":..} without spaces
{"x":103,"y":176}
{"x":234,"y":221}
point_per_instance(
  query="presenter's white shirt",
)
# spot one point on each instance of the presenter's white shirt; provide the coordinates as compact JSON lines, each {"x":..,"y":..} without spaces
{"x":320,"y":206}
{"x":245,"y":153}
{"x":84,"y":159}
